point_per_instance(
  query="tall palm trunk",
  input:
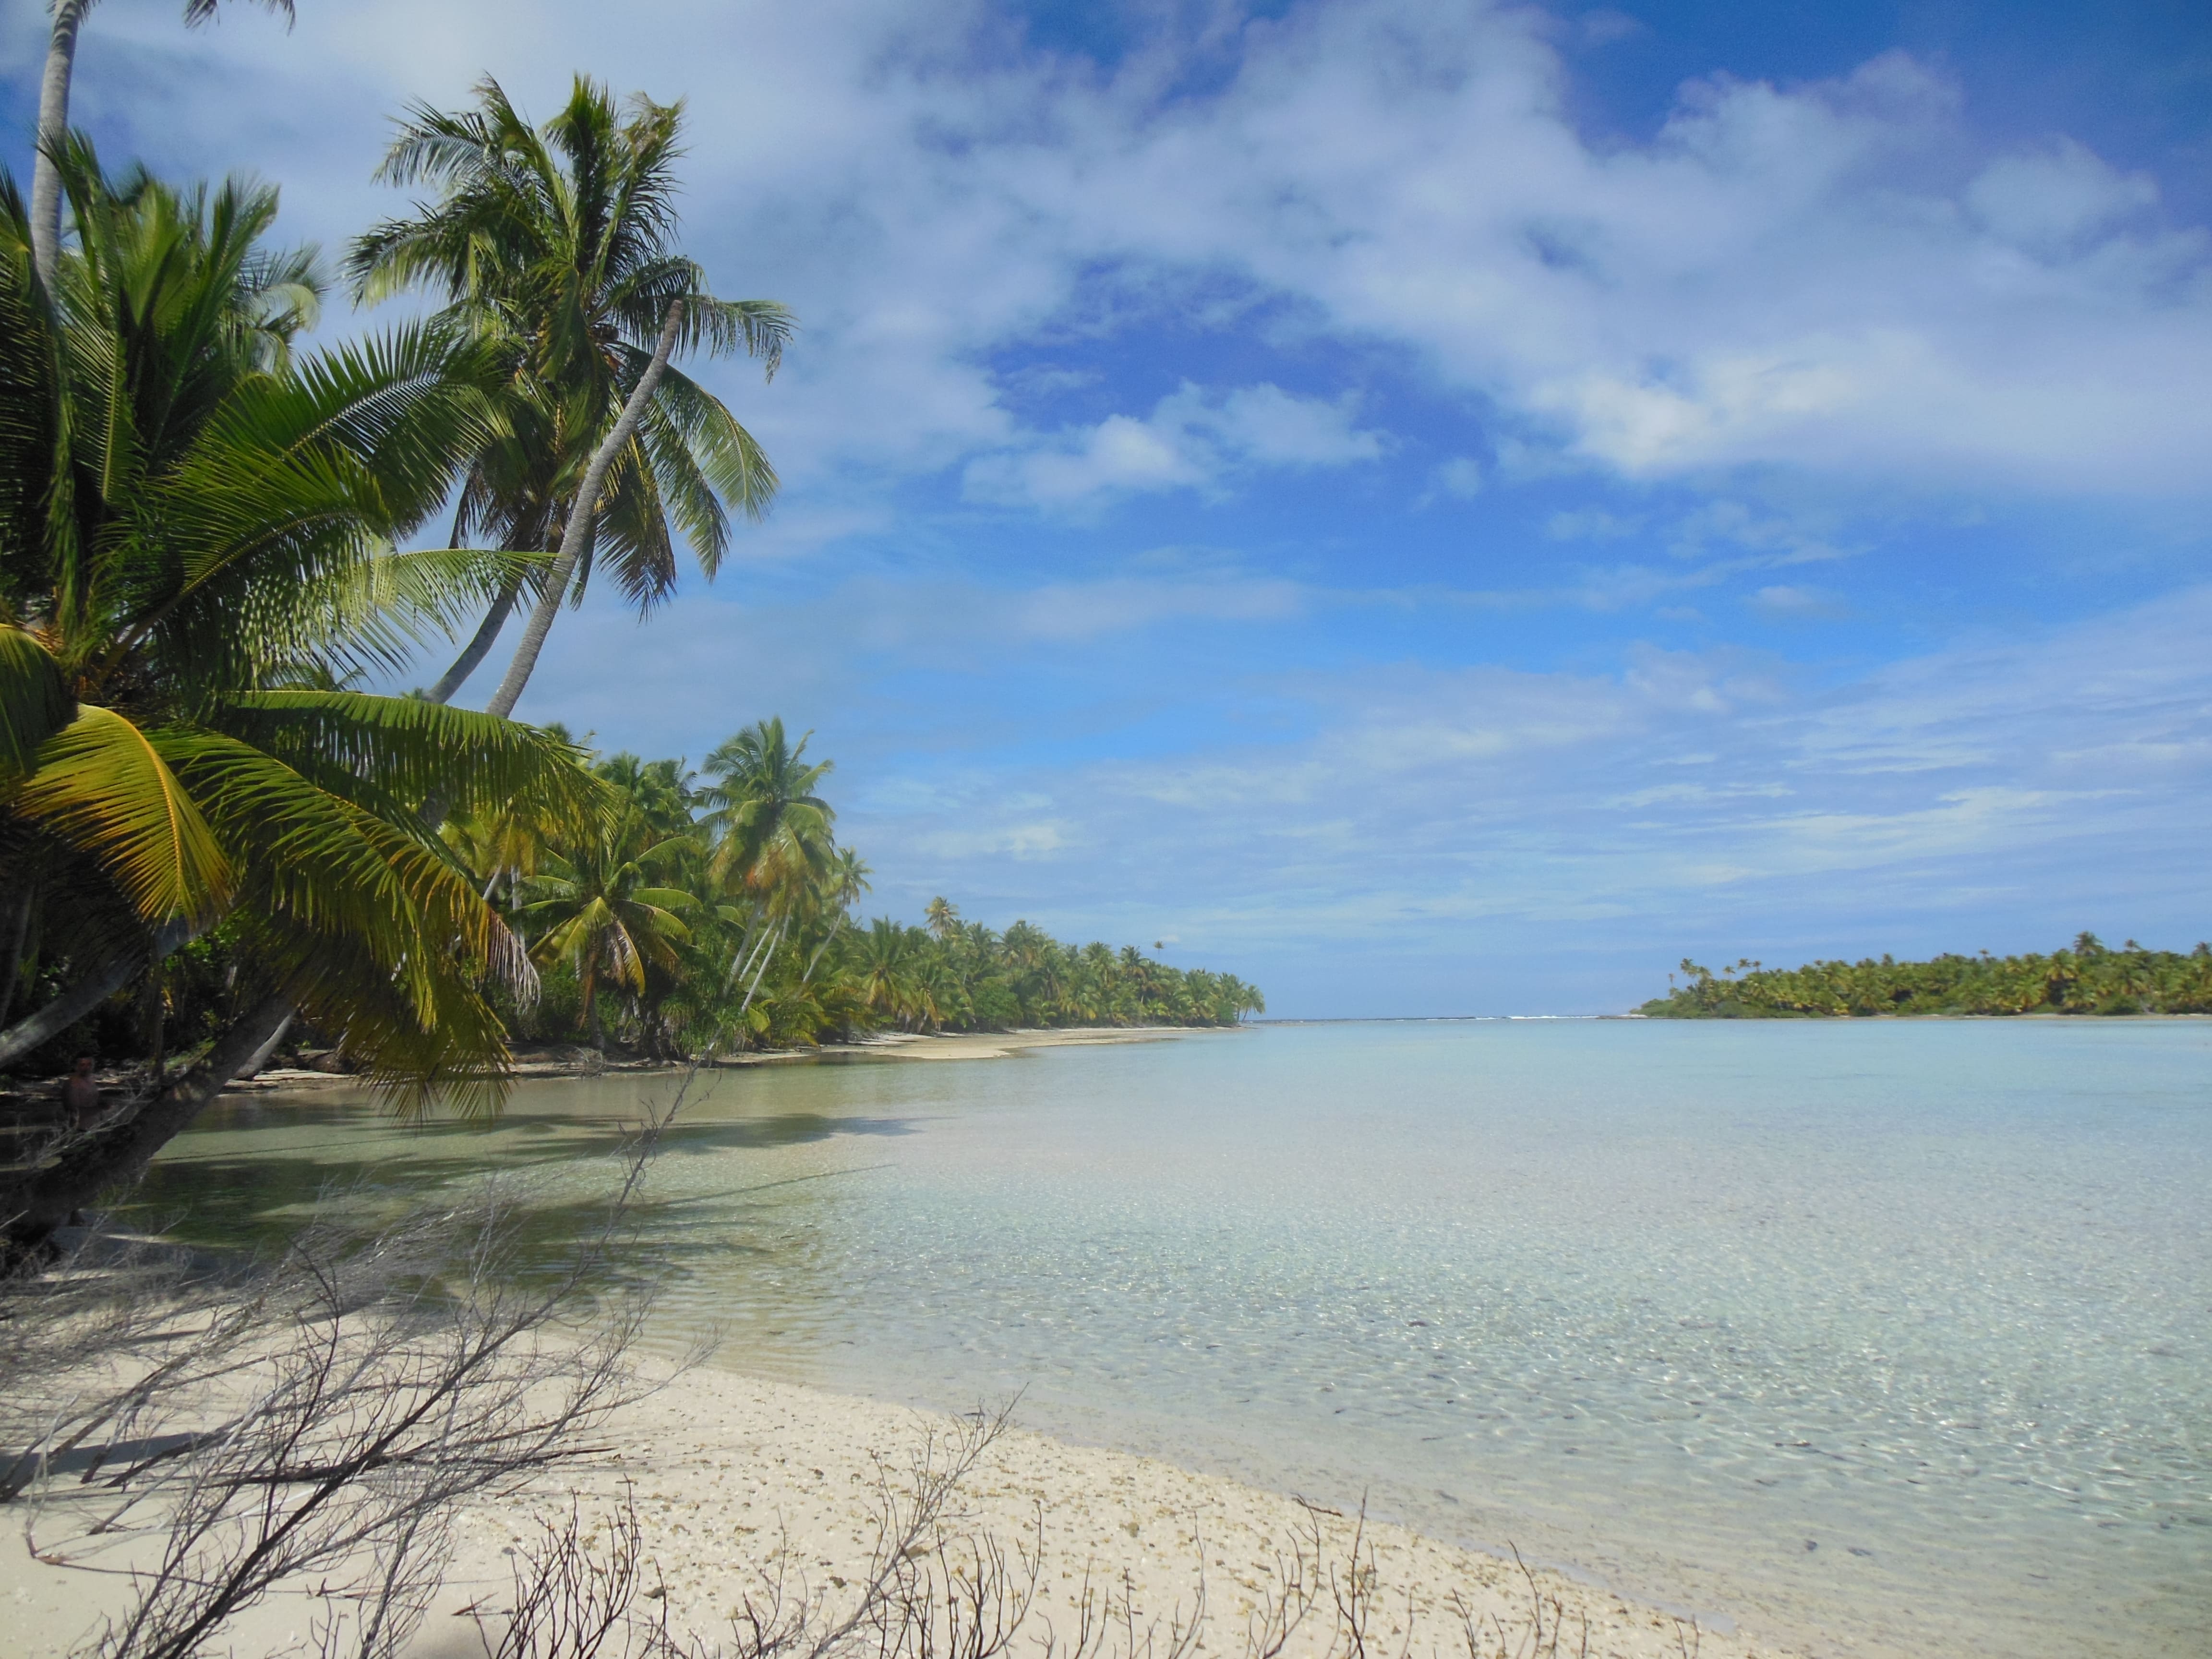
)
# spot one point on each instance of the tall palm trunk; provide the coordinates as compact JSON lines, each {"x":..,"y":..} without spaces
{"x":578,"y":528}
{"x":53,"y":132}
{"x":19,"y":939}
{"x":529,"y":532}
{"x":474,"y":653}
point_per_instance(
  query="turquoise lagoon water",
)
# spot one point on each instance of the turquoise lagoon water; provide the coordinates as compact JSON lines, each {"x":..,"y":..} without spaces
{"x":1886,"y":1338}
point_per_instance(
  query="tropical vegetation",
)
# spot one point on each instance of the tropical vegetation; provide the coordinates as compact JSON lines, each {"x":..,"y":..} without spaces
{"x":552,"y":248}
{"x":194,"y":537}
{"x":203,"y":818}
{"x":2085,"y":978}
{"x":211,"y":836}
{"x":696,"y":914}
{"x":715,"y":912}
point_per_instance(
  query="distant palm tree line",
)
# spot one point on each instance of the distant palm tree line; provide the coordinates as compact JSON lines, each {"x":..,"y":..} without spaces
{"x":2088,"y":978}
{"x":715,"y":912}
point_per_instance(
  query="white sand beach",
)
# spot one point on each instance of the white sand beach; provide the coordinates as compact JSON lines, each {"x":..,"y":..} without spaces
{"x":885,"y":1045}
{"x":733,"y":1476}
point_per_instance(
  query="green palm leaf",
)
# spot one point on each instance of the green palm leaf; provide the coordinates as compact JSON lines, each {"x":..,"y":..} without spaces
{"x":375,"y":613}
{"x":102,"y":786}
{"x":329,"y":867}
{"x":35,"y":699}
{"x":410,"y":749}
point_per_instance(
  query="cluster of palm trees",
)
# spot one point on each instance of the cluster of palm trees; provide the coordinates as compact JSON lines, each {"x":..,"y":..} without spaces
{"x":714,"y":912}
{"x":209,"y":835}
{"x":960,"y":976}
{"x":2088,"y":978}
{"x":201,"y":534}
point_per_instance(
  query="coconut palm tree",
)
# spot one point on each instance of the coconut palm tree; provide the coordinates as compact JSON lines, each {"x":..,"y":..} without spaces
{"x":596,"y":904}
{"x":884,"y":961}
{"x":770,"y":829}
{"x":554,"y":243}
{"x":195,"y":535}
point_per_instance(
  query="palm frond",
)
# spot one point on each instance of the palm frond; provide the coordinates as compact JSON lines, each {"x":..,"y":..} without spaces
{"x":410,"y":749}
{"x":35,"y":701}
{"x":379,"y":612}
{"x":102,"y":786}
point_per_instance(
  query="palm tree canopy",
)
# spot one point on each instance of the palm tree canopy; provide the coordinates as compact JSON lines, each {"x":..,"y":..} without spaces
{"x":768,"y":823}
{"x":556,"y":243}
{"x":194,"y":552}
{"x":596,"y":905}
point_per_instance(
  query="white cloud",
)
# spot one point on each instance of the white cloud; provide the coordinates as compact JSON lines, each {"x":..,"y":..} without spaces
{"x":1589,"y":524}
{"x":1461,"y":477}
{"x":1794,"y":279}
{"x":1119,"y":455}
{"x":1790,"y":602}
{"x":1028,"y":843}
{"x":1192,"y":439}
{"x":2047,"y":201}
{"x":1265,"y":425}
{"x":712,"y":662}
{"x":1070,"y":610}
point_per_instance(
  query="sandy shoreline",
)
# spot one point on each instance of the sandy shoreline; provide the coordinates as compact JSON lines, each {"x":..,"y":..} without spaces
{"x":732,"y":1475}
{"x":889,"y":1045}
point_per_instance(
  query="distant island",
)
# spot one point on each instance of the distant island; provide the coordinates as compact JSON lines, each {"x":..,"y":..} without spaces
{"x":2086,"y":978}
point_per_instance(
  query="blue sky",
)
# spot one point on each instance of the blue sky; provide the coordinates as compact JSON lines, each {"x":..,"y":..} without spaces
{"x":1436,"y":508}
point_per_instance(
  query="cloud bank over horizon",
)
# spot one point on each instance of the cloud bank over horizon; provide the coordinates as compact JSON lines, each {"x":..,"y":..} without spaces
{"x":1429,"y":505}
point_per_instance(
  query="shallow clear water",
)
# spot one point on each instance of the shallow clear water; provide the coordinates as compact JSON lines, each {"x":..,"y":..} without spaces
{"x":1888,"y":1338}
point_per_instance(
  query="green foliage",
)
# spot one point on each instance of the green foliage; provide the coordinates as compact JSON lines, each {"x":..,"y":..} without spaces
{"x":717,"y":917}
{"x":552,"y":246}
{"x":196,"y":534}
{"x":2086,"y":978}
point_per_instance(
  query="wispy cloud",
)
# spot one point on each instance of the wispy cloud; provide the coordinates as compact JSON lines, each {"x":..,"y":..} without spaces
{"x":1794,"y":602}
{"x":2006,"y":792}
{"x":1192,"y":439}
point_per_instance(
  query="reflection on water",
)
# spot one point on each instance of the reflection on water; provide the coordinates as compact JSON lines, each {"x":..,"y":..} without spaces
{"x":1900,"y":1335}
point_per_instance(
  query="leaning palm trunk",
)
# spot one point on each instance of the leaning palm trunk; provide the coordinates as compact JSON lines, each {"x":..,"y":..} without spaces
{"x":828,"y":939}
{"x":115,"y":1154}
{"x":53,"y":132}
{"x":768,"y":950}
{"x":87,"y":993}
{"x":579,"y":529}
{"x":478,"y":648}
{"x":19,"y":935}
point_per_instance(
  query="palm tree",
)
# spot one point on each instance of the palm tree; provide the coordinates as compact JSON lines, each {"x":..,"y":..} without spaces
{"x":884,"y":963}
{"x":661,"y":791}
{"x":834,"y":894}
{"x":194,"y":535}
{"x":775,"y":852}
{"x":555,"y":243}
{"x":771,"y":830}
{"x":45,"y":225}
{"x":597,"y":907}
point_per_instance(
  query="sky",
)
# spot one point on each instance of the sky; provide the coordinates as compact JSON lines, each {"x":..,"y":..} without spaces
{"x":1436,"y":509}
